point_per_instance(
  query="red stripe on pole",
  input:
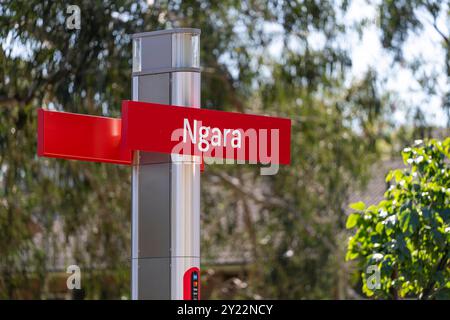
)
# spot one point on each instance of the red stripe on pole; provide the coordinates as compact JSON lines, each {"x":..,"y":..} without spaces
{"x":81,"y":137}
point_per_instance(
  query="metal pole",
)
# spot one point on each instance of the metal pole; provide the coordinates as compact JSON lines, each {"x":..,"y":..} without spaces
{"x":166,"y":189}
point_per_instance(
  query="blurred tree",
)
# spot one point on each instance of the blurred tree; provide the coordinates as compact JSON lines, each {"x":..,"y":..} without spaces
{"x":291,"y":223}
{"x":407,"y":236}
{"x":399,"y":20}
{"x":56,"y":210}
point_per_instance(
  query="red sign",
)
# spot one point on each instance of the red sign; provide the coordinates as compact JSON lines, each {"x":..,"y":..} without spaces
{"x":80,"y":137}
{"x":166,"y":129}
{"x":217,"y":134}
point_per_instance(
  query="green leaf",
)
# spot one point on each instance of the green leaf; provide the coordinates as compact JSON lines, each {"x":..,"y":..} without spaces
{"x":351,"y":255}
{"x":414,"y":221}
{"x":426,"y":213}
{"x":352,"y":220}
{"x":405,"y":217}
{"x":398,"y":174}
{"x":359,"y":206}
{"x":389,"y":176}
{"x":438,"y":238}
{"x":379,"y":227}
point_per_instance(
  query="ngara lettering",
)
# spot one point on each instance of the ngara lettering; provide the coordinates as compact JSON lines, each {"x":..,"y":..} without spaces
{"x":205,"y":137}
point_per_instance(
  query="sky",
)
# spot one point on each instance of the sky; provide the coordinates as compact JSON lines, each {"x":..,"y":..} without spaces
{"x":367,"y":52}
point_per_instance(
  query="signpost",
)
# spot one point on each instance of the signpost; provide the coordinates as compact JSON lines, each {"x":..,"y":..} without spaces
{"x":163,"y":135}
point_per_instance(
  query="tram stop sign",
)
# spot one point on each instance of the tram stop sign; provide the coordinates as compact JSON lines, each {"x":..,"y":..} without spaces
{"x":166,"y":129}
{"x":166,"y":143}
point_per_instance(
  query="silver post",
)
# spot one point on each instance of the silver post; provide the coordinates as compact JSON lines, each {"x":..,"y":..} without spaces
{"x":166,"y":189}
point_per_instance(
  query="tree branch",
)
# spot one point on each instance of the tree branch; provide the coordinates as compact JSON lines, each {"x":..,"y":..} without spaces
{"x":267,"y":202}
{"x":426,"y":293}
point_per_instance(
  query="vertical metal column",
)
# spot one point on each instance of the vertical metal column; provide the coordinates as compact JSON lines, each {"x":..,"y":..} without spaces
{"x":165,"y":188}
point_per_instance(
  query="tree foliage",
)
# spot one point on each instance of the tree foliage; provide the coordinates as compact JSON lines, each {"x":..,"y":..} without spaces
{"x":407,"y":235}
{"x":399,"y":20}
{"x":290,"y":227}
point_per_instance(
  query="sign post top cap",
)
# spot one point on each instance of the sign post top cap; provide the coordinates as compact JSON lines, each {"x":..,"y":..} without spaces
{"x":193,"y":31}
